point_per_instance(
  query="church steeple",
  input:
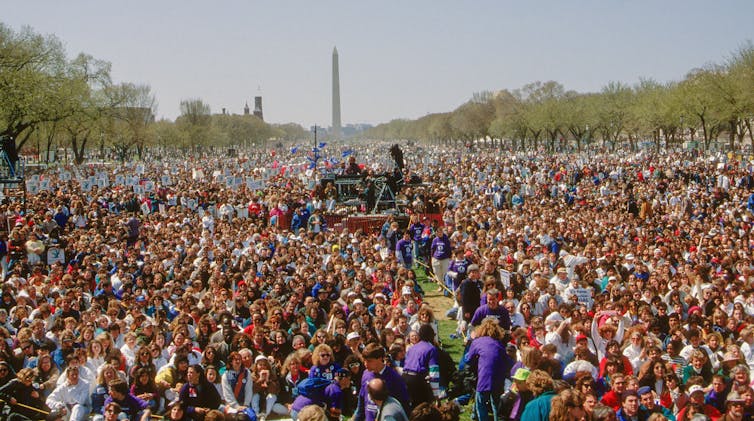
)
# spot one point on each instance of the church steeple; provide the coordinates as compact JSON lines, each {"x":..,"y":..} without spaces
{"x":246,"y":109}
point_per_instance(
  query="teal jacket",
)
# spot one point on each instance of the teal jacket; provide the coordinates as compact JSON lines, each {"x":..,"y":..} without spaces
{"x":539,"y":408}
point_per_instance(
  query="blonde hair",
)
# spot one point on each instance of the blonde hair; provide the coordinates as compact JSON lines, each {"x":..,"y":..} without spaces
{"x":491,"y":328}
{"x":311,"y":413}
{"x":320,"y":349}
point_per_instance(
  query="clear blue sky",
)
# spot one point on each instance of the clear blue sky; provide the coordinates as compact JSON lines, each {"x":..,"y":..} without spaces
{"x":398,"y":59}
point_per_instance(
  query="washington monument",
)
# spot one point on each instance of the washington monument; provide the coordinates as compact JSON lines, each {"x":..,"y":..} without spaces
{"x":335,"y":95}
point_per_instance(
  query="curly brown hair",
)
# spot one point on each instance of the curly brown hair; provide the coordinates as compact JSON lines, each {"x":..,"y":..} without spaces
{"x":539,"y":382}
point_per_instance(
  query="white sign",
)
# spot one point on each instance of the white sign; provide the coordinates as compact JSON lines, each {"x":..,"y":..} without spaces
{"x":505,"y":278}
{"x":55,"y":255}
{"x":32,"y":187}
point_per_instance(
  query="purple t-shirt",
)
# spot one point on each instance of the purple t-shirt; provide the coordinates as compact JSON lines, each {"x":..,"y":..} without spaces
{"x":500,"y":313}
{"x":367,"y":409}
{"x":441,"y":247}
{"x":419,"y":357}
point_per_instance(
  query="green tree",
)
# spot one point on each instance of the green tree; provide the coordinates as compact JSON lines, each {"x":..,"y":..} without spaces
{"x":34,"y":82}
{"x":195,"y":120}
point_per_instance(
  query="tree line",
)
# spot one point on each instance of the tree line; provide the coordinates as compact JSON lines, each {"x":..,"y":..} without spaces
{"x":712,"y":104}
{"x":48,"y":101}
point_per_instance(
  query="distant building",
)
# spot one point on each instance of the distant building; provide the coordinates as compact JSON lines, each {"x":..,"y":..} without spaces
{"x":258,"y":107}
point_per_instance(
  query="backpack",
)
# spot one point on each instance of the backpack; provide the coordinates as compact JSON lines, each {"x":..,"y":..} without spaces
{"x":313,"y":387}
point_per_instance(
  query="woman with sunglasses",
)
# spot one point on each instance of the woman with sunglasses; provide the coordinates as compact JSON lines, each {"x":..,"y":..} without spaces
{"x":143,"y":360}
{"x":6,"y":373}
{"x":323,"y":364}
{"x":21,"y":391}
{"x":212,"y":357}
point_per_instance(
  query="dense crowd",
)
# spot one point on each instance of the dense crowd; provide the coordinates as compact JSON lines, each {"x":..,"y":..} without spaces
{"x":584,"y":286}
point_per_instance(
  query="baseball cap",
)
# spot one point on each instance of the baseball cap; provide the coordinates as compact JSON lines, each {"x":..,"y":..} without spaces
{"x":521,"y":374}
{"x":695,"y":388}
{"x":342,"y":372}
{"x":644,"y":390}
{"x":353,"y":335}
{"x":473,"y":267}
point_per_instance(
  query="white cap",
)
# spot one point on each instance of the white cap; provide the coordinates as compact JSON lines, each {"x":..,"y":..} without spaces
{"x":353,"y":335}
{"x":357,"y":301}
{"x":260,"y":358}
{"x":695,"y":388}
{"x":406,"y":291}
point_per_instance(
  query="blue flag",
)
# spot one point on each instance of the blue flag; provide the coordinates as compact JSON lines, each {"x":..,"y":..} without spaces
{"x":322,"y":145}
{"x":294,"y":149}
{"x":346,"y":153}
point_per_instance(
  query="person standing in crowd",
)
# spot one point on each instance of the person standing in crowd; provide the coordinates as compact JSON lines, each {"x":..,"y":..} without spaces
{"x":492,"y":309}
{"x":469,"y":295}
{"x":493,"y":365}
{"x":388,"y":408}
{"x":421,"y":369}
{"x":374,"y":359}
{"x":404,"y":251}
{"x":441,"y":251}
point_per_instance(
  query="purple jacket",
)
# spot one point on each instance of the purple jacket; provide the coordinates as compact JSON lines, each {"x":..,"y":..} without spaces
{"x":493,"y":366}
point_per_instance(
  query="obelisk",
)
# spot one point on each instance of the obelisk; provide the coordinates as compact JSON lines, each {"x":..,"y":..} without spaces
{"x":335,"y":95}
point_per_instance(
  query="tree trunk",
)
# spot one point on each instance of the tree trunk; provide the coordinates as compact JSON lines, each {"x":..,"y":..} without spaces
{"x":732,"y":135}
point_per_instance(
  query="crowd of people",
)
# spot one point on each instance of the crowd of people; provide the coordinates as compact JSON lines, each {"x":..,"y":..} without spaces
{"x":584,"y":286}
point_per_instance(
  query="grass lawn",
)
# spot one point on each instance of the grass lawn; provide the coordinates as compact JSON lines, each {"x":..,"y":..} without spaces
{"x":440,"y":304}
